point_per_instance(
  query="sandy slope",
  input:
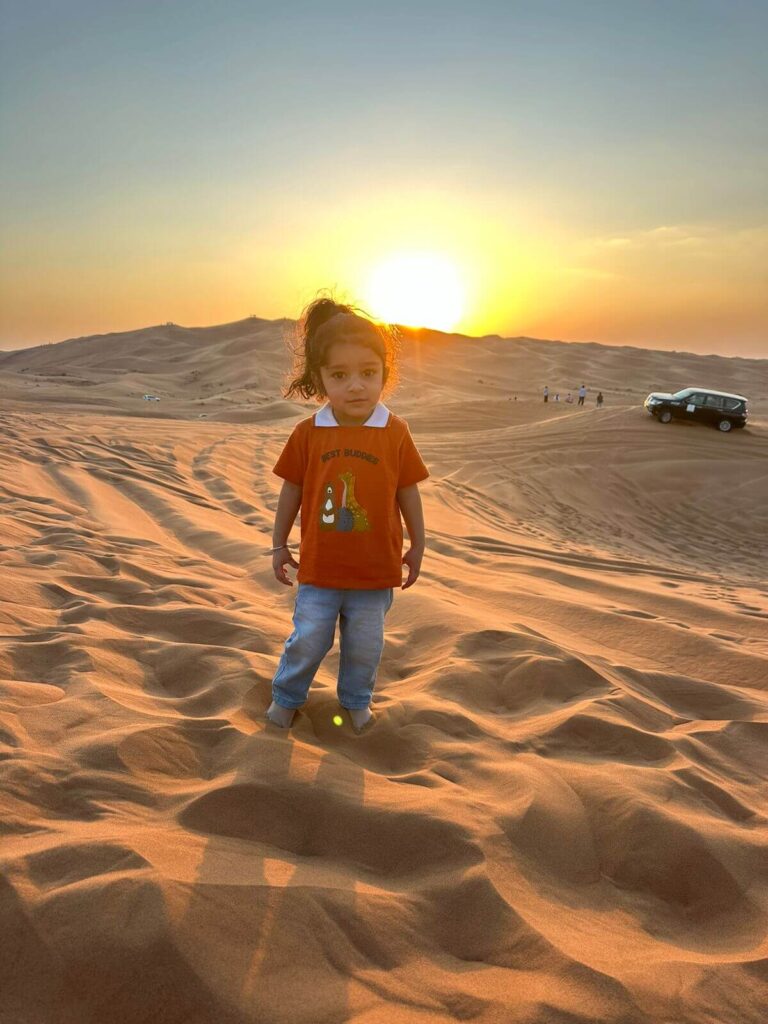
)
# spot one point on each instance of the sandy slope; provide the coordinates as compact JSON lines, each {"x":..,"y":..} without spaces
{"x":559,"y":815}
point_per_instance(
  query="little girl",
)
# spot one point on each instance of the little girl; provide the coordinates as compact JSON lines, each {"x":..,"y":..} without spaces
{"x":353,"y":469}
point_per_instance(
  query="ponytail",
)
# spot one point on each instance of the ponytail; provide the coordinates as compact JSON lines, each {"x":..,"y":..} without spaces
{"x":323,"y":323}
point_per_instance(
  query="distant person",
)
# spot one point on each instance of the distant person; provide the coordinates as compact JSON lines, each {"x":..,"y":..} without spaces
{"x":582,"y":394}
{"x":352,"y":486}
{"x":557,"y":396}
{"x":546,"y":393}
{"x":599,"y":400}
{"x":569,"y":398}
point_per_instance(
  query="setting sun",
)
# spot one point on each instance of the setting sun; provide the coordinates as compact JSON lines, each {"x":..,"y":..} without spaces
{"x":418,"y":289}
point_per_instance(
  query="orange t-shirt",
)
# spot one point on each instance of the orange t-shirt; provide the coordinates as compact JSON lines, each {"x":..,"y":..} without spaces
{"x":351,"y":531}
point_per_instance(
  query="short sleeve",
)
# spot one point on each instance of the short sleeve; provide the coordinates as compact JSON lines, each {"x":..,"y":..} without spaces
{"x":292,"y":464}
{"x":411,"y":465}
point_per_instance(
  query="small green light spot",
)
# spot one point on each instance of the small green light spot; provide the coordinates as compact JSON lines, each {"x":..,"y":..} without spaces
{"x":338,"y":720}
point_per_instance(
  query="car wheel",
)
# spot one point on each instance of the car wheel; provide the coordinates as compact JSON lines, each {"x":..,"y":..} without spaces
{"x":665,"y":416}
{"x":724,"y":425}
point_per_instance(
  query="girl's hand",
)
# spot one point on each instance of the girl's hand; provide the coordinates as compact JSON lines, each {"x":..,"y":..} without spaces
{"x":412,"y":558}
{"x":280,"y":559}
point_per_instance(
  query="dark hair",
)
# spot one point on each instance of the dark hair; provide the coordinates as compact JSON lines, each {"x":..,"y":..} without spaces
{"x":325,"y":322}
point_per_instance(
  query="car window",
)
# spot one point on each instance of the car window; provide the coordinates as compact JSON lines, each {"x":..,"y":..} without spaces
{"x":731,"y":404}
{"x":696,"y":399}
{"x":714,"y":401}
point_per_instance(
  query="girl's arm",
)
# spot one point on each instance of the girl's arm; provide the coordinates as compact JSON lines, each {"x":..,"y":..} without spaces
{"x":409,"y":500}
{"x":288,"y":505}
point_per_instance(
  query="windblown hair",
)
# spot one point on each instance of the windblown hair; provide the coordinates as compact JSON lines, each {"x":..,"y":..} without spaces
{"x":325,"y":322}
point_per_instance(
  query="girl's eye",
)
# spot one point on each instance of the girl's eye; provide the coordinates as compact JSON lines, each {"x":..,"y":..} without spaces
{"x":370,"y":373}
{"x":337,"y":374}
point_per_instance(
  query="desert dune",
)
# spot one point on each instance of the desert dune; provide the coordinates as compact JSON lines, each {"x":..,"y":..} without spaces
{"x":559,"y":815}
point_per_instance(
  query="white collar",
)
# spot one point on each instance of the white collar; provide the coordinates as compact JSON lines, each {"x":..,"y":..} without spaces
{"x":378,"y":418}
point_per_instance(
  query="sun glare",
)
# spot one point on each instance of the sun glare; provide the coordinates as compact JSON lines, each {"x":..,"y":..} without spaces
{"x":417,"y":289}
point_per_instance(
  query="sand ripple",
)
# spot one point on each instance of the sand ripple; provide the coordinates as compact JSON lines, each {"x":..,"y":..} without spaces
{"x":558,"y":817}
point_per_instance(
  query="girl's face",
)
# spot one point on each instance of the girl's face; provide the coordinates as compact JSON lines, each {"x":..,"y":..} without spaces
{"x":353,"y":377}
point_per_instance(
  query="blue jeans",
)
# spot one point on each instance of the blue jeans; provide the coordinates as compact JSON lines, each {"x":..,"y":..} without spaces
{"x":361,"y":641}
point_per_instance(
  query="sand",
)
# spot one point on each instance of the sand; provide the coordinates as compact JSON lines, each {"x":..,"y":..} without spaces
{"x":560,"y":813}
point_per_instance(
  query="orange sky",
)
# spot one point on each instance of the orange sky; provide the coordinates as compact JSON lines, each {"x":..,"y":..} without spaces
{"x":581,"y":174}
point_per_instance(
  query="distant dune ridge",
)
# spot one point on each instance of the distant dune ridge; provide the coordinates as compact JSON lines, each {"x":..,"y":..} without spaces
{"x":559,"y":816}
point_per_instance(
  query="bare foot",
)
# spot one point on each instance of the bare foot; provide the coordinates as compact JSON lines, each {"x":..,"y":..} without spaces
{"x":360,"y":717}
{"x":279,"y":715}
